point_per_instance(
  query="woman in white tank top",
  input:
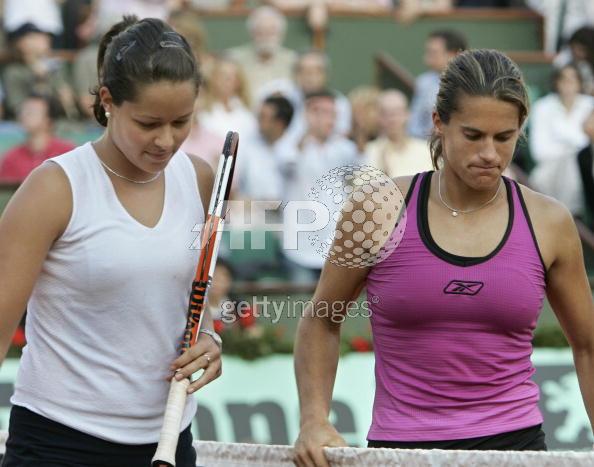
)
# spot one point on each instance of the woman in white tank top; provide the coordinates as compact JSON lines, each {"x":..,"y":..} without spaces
{"x":96,"y":245}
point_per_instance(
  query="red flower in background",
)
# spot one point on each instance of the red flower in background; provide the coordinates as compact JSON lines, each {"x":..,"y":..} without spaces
{"x":360,"y":344}
{"x":218,"y":325}
{"x":246,"y":317}
{"x":18,"y":340}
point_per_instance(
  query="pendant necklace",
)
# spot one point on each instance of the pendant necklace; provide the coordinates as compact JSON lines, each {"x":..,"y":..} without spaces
{"x":455,"y":212}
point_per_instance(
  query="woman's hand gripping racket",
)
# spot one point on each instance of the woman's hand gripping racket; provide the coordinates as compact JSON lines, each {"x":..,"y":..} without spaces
{"x":210,"y":239}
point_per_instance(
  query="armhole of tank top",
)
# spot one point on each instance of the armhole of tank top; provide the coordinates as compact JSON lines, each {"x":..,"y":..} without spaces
{"x":411,"y":189}
{"x":529,"y":222}
{"x":68,"y":227}
{"x":195,"y":178}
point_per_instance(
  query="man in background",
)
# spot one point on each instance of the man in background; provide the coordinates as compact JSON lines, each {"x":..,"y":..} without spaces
{"x":395,"y":152}
{"x":310,"y":76}
{"x":262,"y":168}
{"x":36,"y":118}
{"x":440,"y":48}
{"x":264,"y":58}
{"x":320,"y":150}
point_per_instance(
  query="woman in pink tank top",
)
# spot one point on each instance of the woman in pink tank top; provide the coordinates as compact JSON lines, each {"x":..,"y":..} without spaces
{"x":456,"y":295}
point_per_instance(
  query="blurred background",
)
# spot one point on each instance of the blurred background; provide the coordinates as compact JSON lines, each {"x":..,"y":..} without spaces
{"x":310,"y":85}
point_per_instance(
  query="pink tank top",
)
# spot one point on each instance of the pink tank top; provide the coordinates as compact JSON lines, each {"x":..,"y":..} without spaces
{"x":453,"y":335}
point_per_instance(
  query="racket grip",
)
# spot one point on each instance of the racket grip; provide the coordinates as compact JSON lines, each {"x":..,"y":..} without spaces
{"x":176,"y":402}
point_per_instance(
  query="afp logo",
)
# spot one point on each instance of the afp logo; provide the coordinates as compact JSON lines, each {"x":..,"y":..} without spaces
{"x":463,"y":288}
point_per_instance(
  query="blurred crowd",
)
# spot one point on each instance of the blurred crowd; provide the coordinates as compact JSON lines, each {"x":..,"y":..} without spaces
{"x":294,"y":126}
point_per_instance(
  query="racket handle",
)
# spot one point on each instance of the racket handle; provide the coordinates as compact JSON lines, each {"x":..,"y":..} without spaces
{"x":176,"y":402}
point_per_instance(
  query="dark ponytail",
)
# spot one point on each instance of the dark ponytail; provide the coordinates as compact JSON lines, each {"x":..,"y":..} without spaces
{"x":117,"y":28}
{"x":136,"y":52}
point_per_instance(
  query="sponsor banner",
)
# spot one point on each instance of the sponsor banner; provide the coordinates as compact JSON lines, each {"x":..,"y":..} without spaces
{"x":257,"y":401}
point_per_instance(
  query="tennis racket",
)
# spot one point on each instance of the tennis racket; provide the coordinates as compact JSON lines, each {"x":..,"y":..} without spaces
{"x":210,"y":239}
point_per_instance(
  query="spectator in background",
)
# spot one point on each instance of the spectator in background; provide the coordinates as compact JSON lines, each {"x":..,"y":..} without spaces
{"x":556,"y":135}
{"x":78,"y":24}
{"x":226,"y":103}
{"x":203,"y":141}
{"x":109,"y":12}
{"x":261,"y":169}
{"x":44,"y":15}
{"x":189,"y":24}
{"x":586,"y":165}
{"x":440,"y":47}
{"x":411,"y":10}
{"x":321,"y":149}
{"x":310,"y":76}
{"x":581,"y":47}
{"x":364,"y":107}
{"x":562,"y":19}
{"x":264,"y":58}
{"x":209,"y":4}
{"x":396,"y":153}
{"x":36,"y":118}
{"x":84,"y":74}
{"x":36,"y":71}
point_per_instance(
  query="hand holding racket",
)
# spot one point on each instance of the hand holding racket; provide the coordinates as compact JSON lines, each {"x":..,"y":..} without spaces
{"x":210,"y":239}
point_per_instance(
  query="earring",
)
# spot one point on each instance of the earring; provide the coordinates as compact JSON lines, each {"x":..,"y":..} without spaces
{"x":107,"y":114}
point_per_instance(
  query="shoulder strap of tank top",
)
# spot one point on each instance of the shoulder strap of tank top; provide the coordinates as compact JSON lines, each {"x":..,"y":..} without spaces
{"x":522,"y":210}
{"x":413,"y":190}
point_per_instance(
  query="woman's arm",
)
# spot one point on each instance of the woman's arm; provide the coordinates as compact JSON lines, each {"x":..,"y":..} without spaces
{"x":205,"y":354}
{"x":316,"y":359}
{"x":205,"y":178}
{"x":570,"y":296}
{"x":318,"y":335}
{"x":35,"y":217}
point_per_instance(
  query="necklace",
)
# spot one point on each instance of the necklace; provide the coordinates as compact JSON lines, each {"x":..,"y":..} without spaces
{"x":109,"y":169}
{"x":455,"y":212}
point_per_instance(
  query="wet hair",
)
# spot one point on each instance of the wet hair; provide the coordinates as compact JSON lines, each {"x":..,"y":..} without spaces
{"x":454,"y":41}
{"x":283,"y":110}
{"x":134,"y":53}
{"x":478,"y":73}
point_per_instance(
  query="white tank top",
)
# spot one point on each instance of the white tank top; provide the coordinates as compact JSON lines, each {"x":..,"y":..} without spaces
{"x":108,"y":310}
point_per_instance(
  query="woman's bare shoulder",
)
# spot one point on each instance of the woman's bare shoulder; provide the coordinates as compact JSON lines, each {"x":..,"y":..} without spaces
{"x":551,"y":221}
{"x":544,"y":210}
{"x":404,"y":183}
{"x":44,"y":198}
